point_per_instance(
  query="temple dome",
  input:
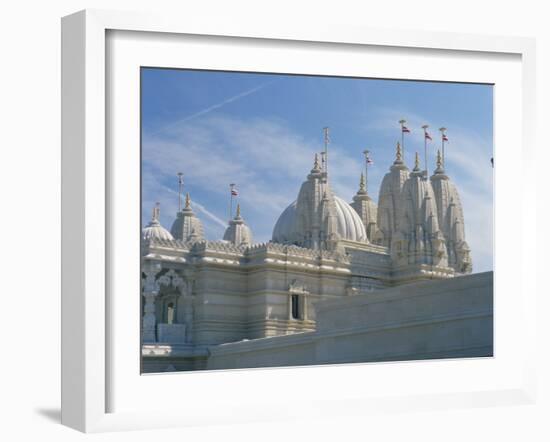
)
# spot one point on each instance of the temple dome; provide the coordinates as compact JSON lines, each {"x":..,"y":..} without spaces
{"x":154,"y":230}
{"x":348,"y":223}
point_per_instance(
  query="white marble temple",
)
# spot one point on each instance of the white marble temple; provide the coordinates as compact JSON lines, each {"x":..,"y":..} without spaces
{"x":199,"y":296}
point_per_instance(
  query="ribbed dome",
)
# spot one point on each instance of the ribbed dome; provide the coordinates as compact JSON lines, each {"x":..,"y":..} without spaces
{"x":348,"y":223}
{"x":154,"y":230}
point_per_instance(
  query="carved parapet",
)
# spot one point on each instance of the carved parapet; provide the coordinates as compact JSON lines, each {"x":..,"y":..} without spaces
{"x":169,"y":243}
{"x":218,"y":246}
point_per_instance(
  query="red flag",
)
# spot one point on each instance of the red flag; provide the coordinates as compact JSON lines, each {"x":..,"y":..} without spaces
{"x":427,"y":136}
{"x":445,"y":138}
{"x":405,"y":129}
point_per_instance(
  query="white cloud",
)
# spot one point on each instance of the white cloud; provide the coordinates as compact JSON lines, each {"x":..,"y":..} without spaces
{"x":266,"y":159}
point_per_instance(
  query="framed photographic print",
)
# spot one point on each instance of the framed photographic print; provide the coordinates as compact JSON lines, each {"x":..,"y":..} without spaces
{"x":262,"y":259}
{"x":257,"y":214}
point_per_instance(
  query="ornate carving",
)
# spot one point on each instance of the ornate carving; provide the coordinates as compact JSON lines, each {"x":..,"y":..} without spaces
{"x":171,"y":279}
{"x":297,"y":287}
{"x":150,"y":292}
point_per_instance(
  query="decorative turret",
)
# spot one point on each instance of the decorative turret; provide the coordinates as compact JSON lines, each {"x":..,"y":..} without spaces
{"x":388,"y":199}
{"x":367,"y":210}
{"x":238,"y":232}
{"x":312,"y":208}
{"x":451,"y":219}
{"x":418,"y":239}
{"x":187,"y":227}
{"x":318,"y":218}
{"x":154,"y":230}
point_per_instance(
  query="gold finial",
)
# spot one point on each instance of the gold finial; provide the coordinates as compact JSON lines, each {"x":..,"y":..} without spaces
{"x":187,"y":201}
{"x":362,"y":183}
{"x":439,"y":162}
{"x":238,"y":215}
{"x":398,"y":152}
{"x":416,"y":161}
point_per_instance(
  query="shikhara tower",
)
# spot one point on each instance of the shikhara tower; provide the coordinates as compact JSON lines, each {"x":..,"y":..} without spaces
{"x":199,"y":293}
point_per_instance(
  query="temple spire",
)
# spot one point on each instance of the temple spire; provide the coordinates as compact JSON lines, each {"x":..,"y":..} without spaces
{"x":416,"y":162}
{"x":362,"y":188}
{"x":187,"y":201}
{"x":398,"y":155}
{"x":439,"y":170}
{"x":238,"y":214}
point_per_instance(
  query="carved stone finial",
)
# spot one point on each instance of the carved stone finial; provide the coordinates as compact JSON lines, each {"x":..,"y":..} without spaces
{"x":398,"y":155}
{"x":187,"y":201}
{"x":238,"y":214}
{"x":316,"y":166}
{"x":362,"y":183}
{"x":416,"y":162}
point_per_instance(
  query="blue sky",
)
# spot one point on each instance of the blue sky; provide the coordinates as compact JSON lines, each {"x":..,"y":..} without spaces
{"x":261,"y":132}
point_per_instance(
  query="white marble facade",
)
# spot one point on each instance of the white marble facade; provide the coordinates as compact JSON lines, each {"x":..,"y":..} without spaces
{"x":199,"y":294}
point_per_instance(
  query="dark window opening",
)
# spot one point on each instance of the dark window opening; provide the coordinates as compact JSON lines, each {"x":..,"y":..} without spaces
{"x":295,"y":307}
{"x":170,"y":314}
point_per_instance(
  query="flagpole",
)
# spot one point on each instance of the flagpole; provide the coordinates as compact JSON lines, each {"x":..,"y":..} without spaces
{"x":442,"y":130}
{"x":326,"y":132}
{"x":402,"y":123}
{"x":366,"y":153}
{"x":425,"y":127}
{"x":231,"y":186}
{"x":180,"y":189}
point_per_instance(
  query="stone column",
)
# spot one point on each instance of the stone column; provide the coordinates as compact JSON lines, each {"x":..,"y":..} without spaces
{"x":187,"y":293}
{"x":289,"y":297}
{"x":150,"y":293}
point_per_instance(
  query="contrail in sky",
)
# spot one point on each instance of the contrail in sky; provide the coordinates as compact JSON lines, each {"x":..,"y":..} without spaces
{"x":202,"y":209}
{"x":215,"y":106}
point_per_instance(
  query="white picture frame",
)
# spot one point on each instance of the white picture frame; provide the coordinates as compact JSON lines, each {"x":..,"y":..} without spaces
{"x":86,"y":316}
